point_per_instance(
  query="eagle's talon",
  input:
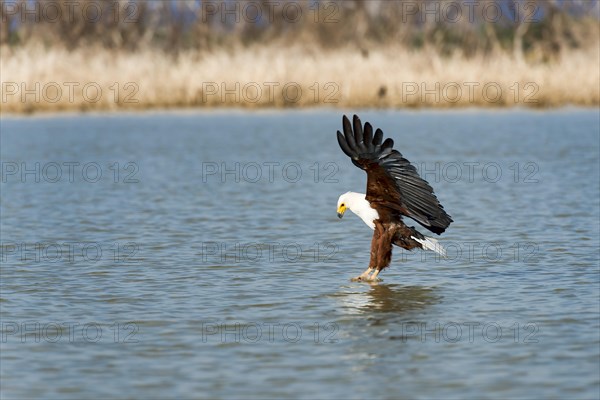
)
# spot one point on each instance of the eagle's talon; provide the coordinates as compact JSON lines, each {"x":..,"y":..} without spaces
{"x":363,"y":277}
{"x":365,"y":280}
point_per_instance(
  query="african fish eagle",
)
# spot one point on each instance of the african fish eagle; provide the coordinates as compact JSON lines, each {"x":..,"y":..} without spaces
{"x":394,"y":190}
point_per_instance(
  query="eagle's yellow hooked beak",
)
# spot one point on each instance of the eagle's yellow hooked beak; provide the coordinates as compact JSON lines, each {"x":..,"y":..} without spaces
{"x":341,"y":210}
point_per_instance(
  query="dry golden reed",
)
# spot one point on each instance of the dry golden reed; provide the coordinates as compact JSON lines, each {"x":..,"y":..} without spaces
{"x":35,"y":78}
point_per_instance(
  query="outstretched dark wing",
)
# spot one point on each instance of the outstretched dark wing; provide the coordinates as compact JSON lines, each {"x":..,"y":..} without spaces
{"x":392,"y":181}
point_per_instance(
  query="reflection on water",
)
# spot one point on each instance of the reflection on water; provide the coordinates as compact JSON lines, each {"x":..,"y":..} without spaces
{"x":380,"y":303}
{"x":394,"y":298}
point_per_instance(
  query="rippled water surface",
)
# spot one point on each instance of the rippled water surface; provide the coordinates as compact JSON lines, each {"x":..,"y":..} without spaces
{"x":191,"y":254}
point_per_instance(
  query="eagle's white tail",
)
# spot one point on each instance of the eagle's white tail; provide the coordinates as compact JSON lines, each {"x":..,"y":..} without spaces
{"x":432,"y":244}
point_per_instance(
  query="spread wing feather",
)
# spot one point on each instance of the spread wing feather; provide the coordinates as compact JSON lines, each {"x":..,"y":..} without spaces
{"x":392,"y":181}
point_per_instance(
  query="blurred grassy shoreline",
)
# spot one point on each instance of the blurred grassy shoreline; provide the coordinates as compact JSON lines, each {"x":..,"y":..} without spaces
{"x":142,"y":54}
{"x":38,"y":79}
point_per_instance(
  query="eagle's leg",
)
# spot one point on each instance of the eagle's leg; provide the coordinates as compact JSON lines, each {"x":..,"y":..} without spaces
{"x":384,"y":252}
{"x":365,"y":276}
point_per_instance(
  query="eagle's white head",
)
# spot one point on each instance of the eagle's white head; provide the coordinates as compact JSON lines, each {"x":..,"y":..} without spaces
{"x":358,"y":204}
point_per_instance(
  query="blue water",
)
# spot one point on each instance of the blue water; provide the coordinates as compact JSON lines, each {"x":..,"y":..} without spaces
{"x":195,"y":254}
